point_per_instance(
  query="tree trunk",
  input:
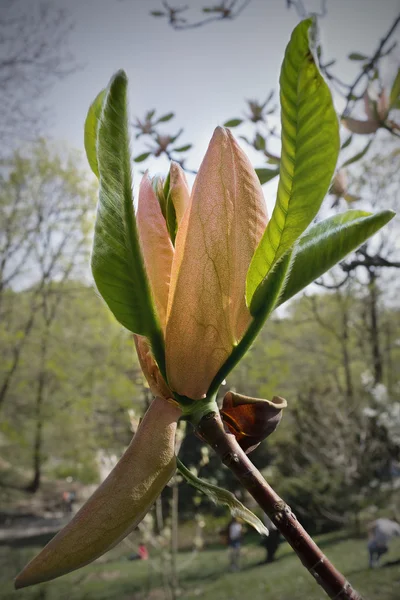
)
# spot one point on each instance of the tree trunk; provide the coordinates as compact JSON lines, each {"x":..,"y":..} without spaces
{"x":374,"y":328}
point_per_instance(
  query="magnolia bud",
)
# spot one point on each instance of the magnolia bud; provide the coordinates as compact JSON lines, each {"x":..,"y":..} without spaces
{"x":251,"y":420}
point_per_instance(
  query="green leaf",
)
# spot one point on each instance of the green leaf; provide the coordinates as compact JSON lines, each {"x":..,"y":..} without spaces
{"x":327,"y":243}
{"x":183,"y":148}
{"x":310,"y":147}
{"x":165,"y":118}
{"x":395,"y":91}
{"x":265,"y":175}
{"x":142,"y":157}
{"x":347,"y":142}
{"x":357,"y":56}
{"x":91,"y":127}
{"x":233,"y":123}
{"x":259,"y":142}
{"x":358,"y":156}
{"x":117,"y":263}
{"x":158,"y":13}
{"x":221,"y":496}
{"x":150,"y":114}
{"x":172,"y":224}
{"x":159,"y":186}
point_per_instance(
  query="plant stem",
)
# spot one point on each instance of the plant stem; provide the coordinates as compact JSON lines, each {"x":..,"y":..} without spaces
{"x":212,"y":430}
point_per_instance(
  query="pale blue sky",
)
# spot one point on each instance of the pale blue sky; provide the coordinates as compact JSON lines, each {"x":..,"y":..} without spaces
{"x":205,"y":74}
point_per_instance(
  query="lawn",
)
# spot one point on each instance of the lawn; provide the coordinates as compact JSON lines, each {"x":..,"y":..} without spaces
{"x":205,"y":575}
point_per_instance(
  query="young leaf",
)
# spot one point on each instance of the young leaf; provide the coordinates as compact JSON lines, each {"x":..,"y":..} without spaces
{"x":347,"y":142}
{"x":395,"y":91}
{"x":141,"y":157}
{"x":233,"y":123}
{"x":117,"y":263}
{"x":357,"y":56}
{"x":221,"y":496}
{"x":259,"y":142}
{"x":171,"y":219}
{"x":165,"y":118}
{"x":91,"y":126}
{"x":327,"y":243}
{"x":357,"y":156}
{"x":310,"y":146}
{"x":265,"y":175}
{"x":183,"y":148}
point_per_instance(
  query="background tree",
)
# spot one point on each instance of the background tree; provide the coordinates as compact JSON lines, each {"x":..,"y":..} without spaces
{"x":34,"y":55}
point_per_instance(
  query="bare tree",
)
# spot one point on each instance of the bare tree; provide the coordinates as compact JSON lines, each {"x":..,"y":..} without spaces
{"x":34,"y":55}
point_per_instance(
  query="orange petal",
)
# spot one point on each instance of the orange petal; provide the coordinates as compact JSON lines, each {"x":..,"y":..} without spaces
{"x":118,"y":505}
{"x":150,"y":368}
{"x":156,"y":245}
{"x":219,"y":233}
{"x":179,"y":190}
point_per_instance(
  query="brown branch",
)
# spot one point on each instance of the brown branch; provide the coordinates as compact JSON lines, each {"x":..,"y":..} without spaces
{"x":370,"y":65}
{"x":225,"y":445}
{"x":368,"y":262}
{"x":226,"y":10}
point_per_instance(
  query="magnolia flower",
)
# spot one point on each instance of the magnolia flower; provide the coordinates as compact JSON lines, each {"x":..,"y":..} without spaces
{"x":198,"y":284}
{"x":376,"y":111}
{"x":339,"y":187}
{"x":197,"y":281}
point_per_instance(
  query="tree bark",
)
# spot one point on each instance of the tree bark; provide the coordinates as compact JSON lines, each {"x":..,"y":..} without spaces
{"x":374,"y":328}
{"x":212,"y":430}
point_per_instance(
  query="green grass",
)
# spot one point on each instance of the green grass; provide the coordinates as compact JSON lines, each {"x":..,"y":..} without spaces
{"x":206,"y":575}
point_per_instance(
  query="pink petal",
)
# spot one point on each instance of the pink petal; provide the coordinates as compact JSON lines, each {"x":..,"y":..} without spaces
{"x":179,"y":190}
{"x":361,"y":127}
{"x":207,"y":313}
{"x":150,"y":368}
{"x":156,"y":245}
{"x":383,"y":105}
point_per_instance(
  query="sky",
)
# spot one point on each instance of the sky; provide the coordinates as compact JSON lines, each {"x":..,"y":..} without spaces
{"x":203,"y":75}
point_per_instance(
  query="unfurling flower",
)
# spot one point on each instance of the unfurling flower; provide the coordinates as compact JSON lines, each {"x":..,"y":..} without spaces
{"x":339,"y":183}
{"x":198,"y":284}
{"x":339,"y":187}
{"x":376,"y":111}
{"x":251,"y":420}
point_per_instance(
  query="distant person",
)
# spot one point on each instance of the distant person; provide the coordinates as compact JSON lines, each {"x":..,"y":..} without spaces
{"x":234,"y":543}
{"x":68,"y":501}
{"x":380,"y":532}
{"x":271,"y":542}
{"x":141,"y":554}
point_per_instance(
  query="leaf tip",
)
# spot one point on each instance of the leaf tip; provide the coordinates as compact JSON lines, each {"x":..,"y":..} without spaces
{"x":120,"y":75}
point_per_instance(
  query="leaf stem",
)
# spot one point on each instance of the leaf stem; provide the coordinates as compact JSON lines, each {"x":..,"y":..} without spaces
{"x":211,"y":429}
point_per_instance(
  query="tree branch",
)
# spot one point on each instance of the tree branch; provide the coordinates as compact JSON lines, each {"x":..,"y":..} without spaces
{"x":211,"y":429}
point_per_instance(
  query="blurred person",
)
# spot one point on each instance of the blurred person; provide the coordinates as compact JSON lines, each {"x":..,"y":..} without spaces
{"x":270,"y":542}
{"x":380,"y":532}
{"x":234,"y":543}
{"x":141,"y":554}
{"x":68,"y":498}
